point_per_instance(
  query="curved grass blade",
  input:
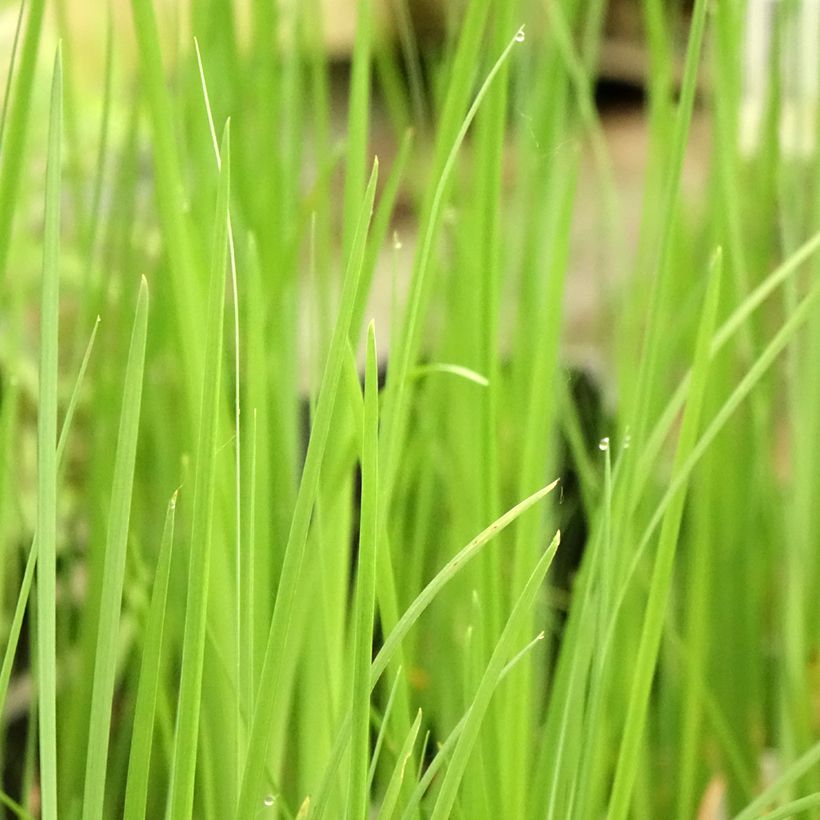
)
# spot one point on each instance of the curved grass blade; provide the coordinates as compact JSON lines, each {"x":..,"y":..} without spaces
{"x":365,"y":588}
{"x":105,"y":661}
{"x":794,"y":807}
{"x":181,"y":792}
{"x":47,"y":456}
{"x":447,"y":747}
{"x":759,"y":368}
{"x":489,"y":681}
{"x":14,"y":807}
{"x":422,"y":370}
{"x":444,"y":576}
{"x":780,"y":275}
{"x":794,"y":772}
{"x":411,"y":615}
{"x":136,"y":791}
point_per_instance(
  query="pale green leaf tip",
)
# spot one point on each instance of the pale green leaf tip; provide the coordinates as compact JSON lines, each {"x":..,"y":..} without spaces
{"x":225,"y":147}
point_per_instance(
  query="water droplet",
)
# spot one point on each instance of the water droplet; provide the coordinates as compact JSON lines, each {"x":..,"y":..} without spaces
{"x":269,"y":800}
{"x":520,"y":36}
{"x":627,"y":441}
{"x":603,"y":444}
{"x":397,"y":246}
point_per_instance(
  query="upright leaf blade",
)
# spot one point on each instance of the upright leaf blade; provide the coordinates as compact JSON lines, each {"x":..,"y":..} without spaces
{"x":366,"y":588}
{"x":105,"y":661}
{"x":47,"y":456}
{"x":136,"y":793}
{"x":265,"y":712}
{"x":193,"y":649}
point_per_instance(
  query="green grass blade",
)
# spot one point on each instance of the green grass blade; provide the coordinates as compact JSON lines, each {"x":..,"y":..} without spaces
{"x":405,"y":351}
{"x":136,"y":793}
{"x":444,"y":576}
{"x":260,"y":731}
{"x":489,"y":681}
{"x":377,"y":746}
{"x":794,"y":807}
{"x":794,"y":772}
{"x":394,"y":639}
{"x":16,"y":129}
{"x":381,"y":223}
{"x":629,"y":755}
{"x":391,"y":795}
{"x":47,"y":458}
{"x":724,"y":334}
{"x":422,"y":370}
{"x":759,"y":368}
{"x":10,"y":70}
{"x":358,"y":121}
{"x":446,"y":748}
{"x":14,"y":807}
{"x":16,"y":626}
{"x":105,"y":662}
{"x":668,"y":208}
{"x":181,"y":792}
{"x":188,"y":302}
{"x":365,"y":588}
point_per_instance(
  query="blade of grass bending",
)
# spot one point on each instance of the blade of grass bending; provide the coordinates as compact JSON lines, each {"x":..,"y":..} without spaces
{"x":422,"y":370}
{"x":755,"y":373}
{"x":31,"y":562}
{"x":14,"y":807}
{"x":444,"y":576}
{"x":446,"y":748}
{"x":136,"y":790}
{"x":391,"y":795}
{"x":724,"y":334}
{"x":105,"y":661}
{"x":365,"y":588}
{"x":411,"y":615}
{"x":794,"y":772}
{"x":47,"y":458}
{"x":16,"y":129}
{"x":181,"y":791}
{"x":469,"y":733}
{"x":265,"y":712}
{"x":654,"y":616}
{"x":795,"y":807}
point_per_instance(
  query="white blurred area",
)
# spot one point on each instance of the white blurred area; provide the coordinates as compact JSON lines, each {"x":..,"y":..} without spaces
{"x":781,"y":40}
